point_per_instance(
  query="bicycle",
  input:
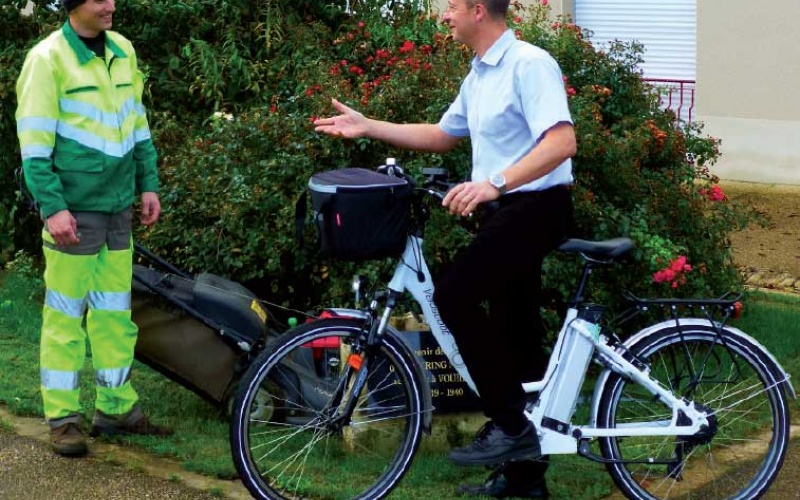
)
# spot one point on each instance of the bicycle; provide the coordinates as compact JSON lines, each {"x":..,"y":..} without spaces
{"x":688,"y":407}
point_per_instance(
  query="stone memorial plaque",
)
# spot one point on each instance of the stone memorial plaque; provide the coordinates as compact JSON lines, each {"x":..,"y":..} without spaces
{"x":449,"y":391}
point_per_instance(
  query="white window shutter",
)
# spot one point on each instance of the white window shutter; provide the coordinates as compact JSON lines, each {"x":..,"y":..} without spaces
{"x":666,"y":28}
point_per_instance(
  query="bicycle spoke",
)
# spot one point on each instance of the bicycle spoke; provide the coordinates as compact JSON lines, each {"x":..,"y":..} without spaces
{"x":738,"y":452}
{"x":312,"y":448}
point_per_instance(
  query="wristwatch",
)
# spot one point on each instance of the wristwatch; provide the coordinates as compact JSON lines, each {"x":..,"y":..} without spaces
{"x":498,"y":181}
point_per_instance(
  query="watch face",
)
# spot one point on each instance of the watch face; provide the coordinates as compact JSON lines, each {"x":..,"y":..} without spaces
{"x":499,"y":182}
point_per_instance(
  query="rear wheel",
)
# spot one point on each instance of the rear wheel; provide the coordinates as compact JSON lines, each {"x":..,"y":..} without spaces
{"x":312,"y":451}
{"x":737,"y":456}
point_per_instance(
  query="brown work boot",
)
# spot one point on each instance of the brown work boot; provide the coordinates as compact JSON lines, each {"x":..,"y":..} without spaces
{"x":133,"y":422}
{"x":67,"y":437}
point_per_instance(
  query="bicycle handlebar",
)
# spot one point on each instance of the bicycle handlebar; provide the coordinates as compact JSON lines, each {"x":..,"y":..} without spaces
{"x":437,"y":182}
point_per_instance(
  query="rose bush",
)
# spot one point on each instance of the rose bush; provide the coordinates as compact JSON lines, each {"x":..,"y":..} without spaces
{"x":230,"y":181}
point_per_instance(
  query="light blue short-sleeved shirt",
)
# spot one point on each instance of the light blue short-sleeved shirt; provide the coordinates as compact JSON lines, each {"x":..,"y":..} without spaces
{"x":509,"y":99}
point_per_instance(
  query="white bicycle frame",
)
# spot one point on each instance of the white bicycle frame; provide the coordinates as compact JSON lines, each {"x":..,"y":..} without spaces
{"x":559,"y":388}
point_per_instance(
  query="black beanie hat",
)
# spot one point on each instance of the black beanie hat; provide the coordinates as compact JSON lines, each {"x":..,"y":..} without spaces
{"x":71,"y":4}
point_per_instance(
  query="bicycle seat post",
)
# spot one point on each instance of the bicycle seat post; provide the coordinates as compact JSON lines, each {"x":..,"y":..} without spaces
{"x":578,"y":296}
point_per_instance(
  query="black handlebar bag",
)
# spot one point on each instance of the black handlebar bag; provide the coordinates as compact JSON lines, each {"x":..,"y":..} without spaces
{"x":360,"y":214}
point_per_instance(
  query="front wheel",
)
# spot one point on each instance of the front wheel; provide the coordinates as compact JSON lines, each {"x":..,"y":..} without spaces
{"x":735,"y":382}
{"x":313,"y":450}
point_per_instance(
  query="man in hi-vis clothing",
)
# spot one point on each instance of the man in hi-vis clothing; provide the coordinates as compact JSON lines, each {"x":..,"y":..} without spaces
{"x":86,"y":153}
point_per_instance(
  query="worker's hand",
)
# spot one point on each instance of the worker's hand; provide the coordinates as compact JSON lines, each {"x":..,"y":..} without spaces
{"x":151,"y":209}
{"x":464,"y":198}
{"x":63,"y":227}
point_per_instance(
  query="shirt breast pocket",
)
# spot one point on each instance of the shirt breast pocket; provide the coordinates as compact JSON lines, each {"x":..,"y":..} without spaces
{"x":81,"y":89}
{"x":121,"y":76}
{"x":498,"y":122}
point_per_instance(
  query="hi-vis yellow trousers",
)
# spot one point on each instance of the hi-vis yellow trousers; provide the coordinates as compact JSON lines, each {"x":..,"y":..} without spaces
{"x":91,"y":281}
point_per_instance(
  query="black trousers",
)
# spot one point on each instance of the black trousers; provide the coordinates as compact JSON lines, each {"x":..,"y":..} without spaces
{"x":490,"y":298}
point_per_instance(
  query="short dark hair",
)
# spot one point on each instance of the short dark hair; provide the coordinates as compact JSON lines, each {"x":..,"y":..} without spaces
{"x":71,"y":4}
{"x":497,"y":9}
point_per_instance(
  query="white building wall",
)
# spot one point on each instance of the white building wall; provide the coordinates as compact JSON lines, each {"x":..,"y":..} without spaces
{"x":748,"y":77}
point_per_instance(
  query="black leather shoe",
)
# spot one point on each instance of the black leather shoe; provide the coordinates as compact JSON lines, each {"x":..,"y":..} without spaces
{"x":493,"y":446}
{"x":498,"y":486}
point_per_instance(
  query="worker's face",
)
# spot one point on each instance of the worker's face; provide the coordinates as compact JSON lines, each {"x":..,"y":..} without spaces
{"x":92,"y":16}
{"x":460,"y":18}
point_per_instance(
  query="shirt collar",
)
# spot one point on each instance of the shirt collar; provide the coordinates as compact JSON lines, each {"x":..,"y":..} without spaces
{"x":83,"y":52}
{"x":498,"y":49}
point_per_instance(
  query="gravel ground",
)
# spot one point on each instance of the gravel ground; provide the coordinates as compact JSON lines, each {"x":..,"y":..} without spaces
{"x":31,"y":471}
{"x":768,"y":257}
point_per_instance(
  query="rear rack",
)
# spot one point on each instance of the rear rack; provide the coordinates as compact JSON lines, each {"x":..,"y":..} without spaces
{"x":716,"y":310}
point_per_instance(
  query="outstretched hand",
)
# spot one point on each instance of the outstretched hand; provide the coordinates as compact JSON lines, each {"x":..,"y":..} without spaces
{"x":349,"y":124}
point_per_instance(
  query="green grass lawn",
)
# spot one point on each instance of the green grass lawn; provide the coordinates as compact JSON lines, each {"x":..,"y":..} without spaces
{"x":200,"y":441}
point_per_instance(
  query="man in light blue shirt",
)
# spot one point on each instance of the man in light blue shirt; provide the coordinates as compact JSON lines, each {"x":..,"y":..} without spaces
{"x":513,"y":107}
{"x":512,"y":96}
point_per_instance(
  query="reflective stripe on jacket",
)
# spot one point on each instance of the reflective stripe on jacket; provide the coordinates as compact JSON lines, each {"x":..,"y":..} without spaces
{"x":82,"y":128}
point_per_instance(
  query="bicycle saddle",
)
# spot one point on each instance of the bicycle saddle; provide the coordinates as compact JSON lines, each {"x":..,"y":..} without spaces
{"x":598,"y":250}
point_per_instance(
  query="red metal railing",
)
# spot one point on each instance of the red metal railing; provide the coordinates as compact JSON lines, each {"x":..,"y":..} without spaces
{"x":676,"y":95}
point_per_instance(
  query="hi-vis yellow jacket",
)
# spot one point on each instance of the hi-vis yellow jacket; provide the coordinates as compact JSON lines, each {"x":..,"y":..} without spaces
{"x":82,"y":127}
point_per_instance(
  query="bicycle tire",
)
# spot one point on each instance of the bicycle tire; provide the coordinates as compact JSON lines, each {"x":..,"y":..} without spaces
{"x":301,"y":454}
{"x":741,"y":386}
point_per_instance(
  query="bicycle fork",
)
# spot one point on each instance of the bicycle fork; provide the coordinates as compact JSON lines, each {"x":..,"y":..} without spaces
{"x":357,"y":366}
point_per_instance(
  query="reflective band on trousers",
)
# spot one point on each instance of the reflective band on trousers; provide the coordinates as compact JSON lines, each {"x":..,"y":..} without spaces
{"x":70,"y":307}
{"x":112,"y":377}
{"x":59,"y":380}
{"x":110,"y":301}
